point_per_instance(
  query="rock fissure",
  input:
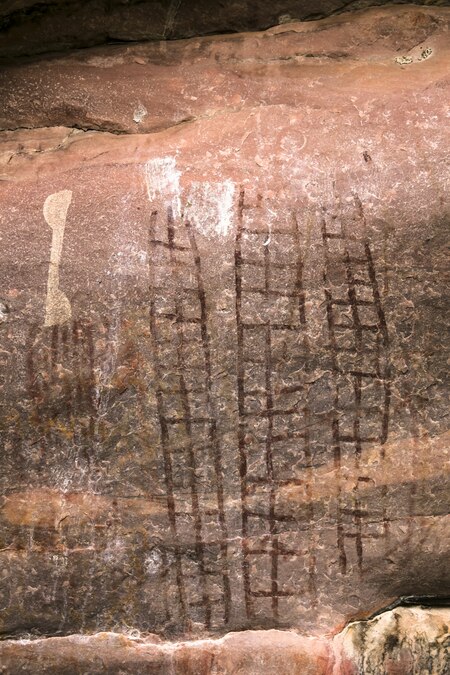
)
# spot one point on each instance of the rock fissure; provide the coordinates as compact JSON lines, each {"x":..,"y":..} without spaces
{"x":418,"y":602}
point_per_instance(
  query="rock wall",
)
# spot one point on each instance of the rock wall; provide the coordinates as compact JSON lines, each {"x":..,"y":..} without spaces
{"x":223,"y":352}
{"x":30,"y":27}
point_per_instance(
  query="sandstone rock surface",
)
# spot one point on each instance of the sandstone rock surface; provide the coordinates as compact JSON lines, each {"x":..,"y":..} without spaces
{"x":30,"y":27}
{"x":351,"y":65}
{"x":223,"y":337}
{"x":405,"y":640}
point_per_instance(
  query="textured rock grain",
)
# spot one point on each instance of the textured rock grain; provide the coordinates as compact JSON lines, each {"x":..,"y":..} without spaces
{"x":360,"y":63}
{"x":30,"y":27}
{"x":402,"y":641}
{"x":223,"y":356}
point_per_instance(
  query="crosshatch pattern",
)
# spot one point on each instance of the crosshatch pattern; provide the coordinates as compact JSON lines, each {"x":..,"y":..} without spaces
{"x":358,"y":343}
{"x":188,"y":423}
{"x":277,"y":423}
{"x":273,"y":408}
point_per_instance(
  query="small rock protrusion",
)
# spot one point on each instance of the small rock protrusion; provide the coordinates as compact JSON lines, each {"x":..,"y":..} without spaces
{"x":139,"y":113}
{"x":406,"y":60}
{"x":286,"y":18}
{"x":4,"y":311}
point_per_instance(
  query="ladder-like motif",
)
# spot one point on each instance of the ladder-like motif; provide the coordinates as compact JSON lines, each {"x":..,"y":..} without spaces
{"x":272,"y":347}
{"x":61,"y":384}
{"x":191,"y":450}
{"x":358,"y":344}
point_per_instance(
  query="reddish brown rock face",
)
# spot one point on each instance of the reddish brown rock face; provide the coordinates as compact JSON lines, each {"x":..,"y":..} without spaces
{"x":32,"y":26}
{"x":223,"y":342}
{"x":400,"y":641}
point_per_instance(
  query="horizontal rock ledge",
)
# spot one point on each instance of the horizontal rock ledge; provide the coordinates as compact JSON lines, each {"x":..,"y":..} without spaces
{"x":403,"y":640}
{"x":223,"y":343}
{"x":345,"y":63}
{"x":30,"y":26}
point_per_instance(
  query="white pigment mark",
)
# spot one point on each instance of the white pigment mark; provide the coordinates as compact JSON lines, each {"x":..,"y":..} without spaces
{"x":57,"y":306}
{"x":210,"y":207}
{"x":163,"y":182}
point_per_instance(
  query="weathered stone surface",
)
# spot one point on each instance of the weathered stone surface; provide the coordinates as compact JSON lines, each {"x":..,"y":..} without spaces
{"x":402,"y":641}
{"x":223,"y":344}
{"x":360,"y":63}
{"x":248,"y":653}
{"x":35,"y":26}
